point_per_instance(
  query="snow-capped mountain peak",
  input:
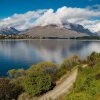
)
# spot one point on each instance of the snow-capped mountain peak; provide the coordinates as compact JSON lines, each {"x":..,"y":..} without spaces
{"x":8,"y":30}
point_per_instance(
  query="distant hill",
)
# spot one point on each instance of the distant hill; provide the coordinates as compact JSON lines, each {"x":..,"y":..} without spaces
{"x":8,"y":30}
{"x":64,"y":31}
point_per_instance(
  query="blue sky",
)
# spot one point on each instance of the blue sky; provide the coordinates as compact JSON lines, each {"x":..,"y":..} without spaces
{"x":9,"y":7}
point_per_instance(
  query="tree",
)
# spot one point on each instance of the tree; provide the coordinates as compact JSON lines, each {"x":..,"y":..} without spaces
{"x":37,"y":82}
{"x":47,"y":67}
{"x":69,"y":63}
{"x":8,"y":90}
{"x":11,"y":73}
{"x":93,"y":58}
{"x":16,"y":73}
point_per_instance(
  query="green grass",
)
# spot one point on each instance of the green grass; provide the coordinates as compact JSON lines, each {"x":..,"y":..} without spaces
{"x":87,"y":85}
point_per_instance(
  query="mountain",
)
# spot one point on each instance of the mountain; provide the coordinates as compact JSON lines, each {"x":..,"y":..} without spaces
{"x":77,"y":28}
{"x":8,"y":30}
{"x":52,"y":30}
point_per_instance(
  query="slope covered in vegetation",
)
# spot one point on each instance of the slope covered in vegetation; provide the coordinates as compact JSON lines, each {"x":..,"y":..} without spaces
{"x":87,"y":85}
{"x":36,"y":80}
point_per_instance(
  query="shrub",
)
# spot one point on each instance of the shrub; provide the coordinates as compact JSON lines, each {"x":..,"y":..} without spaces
{"x":16,"y":73}
{"x":97,"y":76}
{"x":69,"y":63}
{"x":62,"y":70}
{"x":8,"y":90}
{"x":47,"y":67}
{"x":37,"y":82}
{"x":11,"y":73}
{"x":93,"y":58}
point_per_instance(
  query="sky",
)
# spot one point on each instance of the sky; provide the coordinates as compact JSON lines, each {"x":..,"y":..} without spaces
{"x":9,"y":7}
{"x":23,"y":14}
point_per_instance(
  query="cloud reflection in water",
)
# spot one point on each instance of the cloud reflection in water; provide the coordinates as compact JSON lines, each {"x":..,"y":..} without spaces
{"x":23,"y":53}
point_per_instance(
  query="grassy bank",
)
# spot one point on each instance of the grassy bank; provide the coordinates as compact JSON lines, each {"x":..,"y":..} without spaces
{"x":87,"y":85}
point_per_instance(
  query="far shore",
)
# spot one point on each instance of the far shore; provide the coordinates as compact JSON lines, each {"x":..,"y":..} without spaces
{"x":63,"y":38}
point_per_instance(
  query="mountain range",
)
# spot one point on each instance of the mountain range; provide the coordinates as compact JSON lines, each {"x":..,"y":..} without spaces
{"x":66,"y":30}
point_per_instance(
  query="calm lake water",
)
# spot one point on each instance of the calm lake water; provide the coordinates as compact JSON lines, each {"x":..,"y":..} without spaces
{"x":16,"y":54}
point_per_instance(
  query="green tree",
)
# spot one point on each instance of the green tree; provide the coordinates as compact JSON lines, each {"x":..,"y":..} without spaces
{"x":16,"y":73}
{"x":11,"y":73}
{"x":37,"y":81}
{"x":48,"y":67}
{"x":69,"y":63}
{"x":93,"y":59}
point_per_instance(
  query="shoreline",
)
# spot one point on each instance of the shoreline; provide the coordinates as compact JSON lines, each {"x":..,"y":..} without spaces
{"x":22,"y":36}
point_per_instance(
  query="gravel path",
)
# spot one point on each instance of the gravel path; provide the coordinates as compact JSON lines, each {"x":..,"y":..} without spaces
{"x":62,"y":88}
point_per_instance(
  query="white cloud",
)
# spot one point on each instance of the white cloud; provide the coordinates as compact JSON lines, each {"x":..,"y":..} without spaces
{"x":22,"y":21}
{"x":83,"y":16}
{"x":48,"y":18}
{"x":66,"y":14}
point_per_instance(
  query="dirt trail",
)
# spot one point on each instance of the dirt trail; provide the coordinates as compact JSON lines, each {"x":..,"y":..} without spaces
{"x":62,"y":88}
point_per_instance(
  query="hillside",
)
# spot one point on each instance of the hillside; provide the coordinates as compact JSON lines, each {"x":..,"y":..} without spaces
{"x":53,"y":31}
{"x":87,"y":84}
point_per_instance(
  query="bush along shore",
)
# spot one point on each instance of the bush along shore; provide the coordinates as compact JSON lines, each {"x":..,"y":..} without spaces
{"x":42,"y":77}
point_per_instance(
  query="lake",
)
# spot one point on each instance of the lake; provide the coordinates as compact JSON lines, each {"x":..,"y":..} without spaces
{"x":16,"y":54}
